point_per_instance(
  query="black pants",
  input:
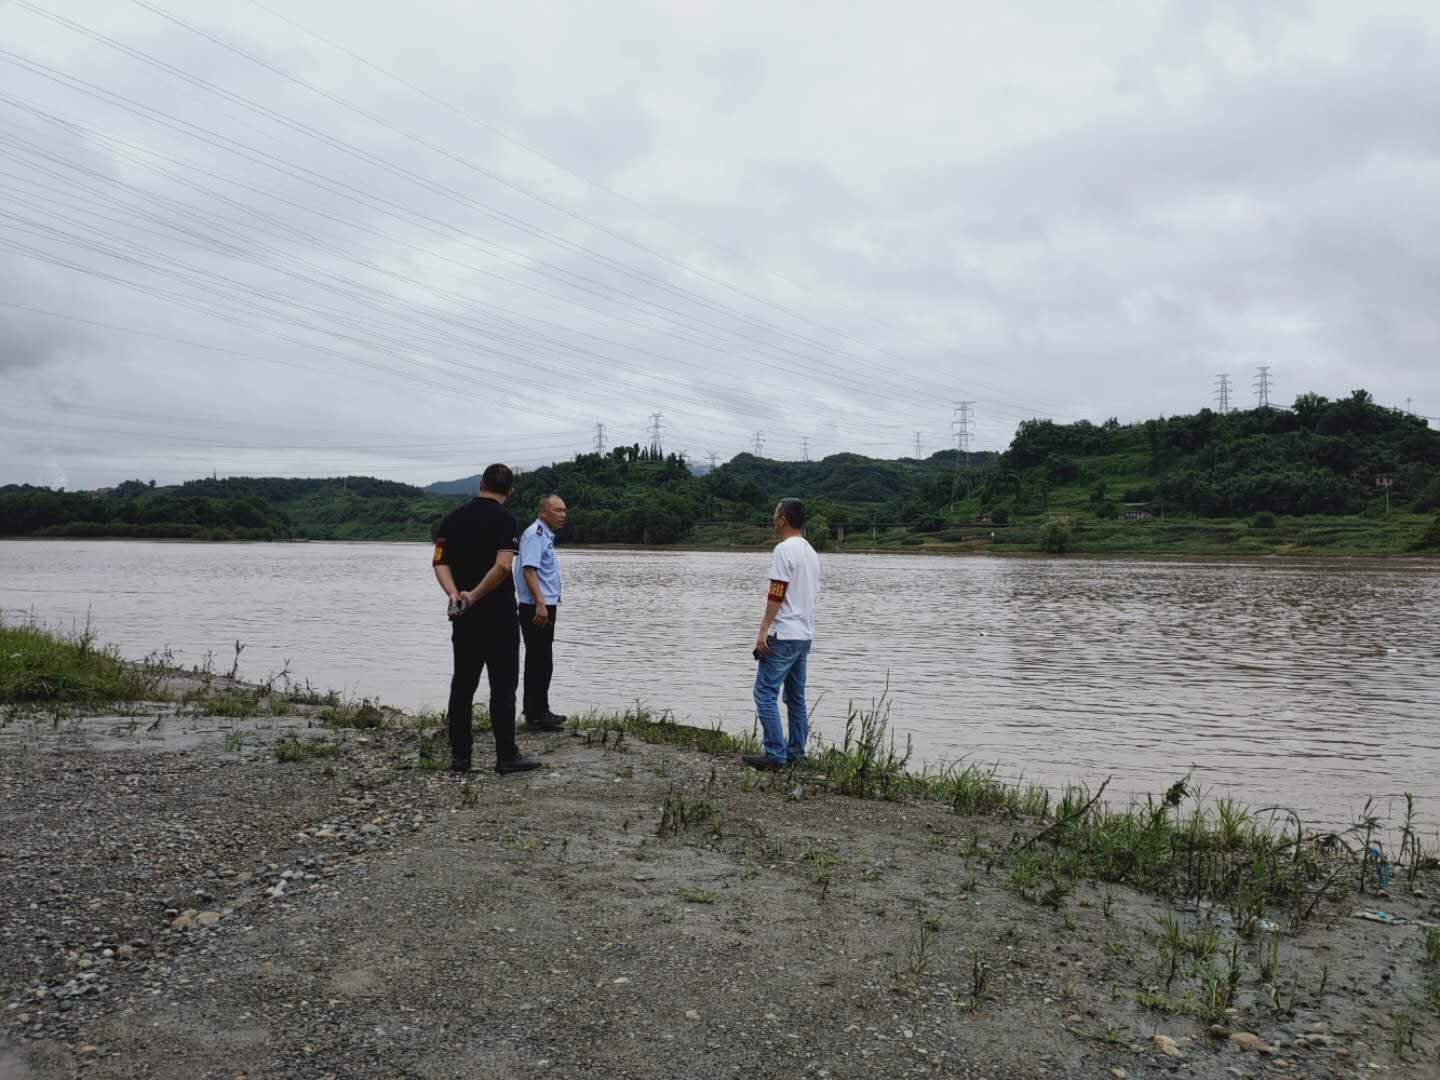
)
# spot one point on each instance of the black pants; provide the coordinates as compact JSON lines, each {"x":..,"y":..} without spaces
{"x":484,"y":643}
{"x":539,"y":661}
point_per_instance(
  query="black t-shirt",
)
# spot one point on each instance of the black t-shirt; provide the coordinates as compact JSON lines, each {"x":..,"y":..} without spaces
{"x":469,"y":539}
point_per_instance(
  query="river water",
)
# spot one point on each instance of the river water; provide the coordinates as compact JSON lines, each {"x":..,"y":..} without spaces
{"x":1315,"y":684}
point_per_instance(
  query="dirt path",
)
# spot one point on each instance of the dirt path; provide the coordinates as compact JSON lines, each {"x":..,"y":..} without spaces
{"x":209,"y":912}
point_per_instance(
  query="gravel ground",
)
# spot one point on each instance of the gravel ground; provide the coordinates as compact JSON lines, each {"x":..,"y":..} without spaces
{"x":183,"y":905}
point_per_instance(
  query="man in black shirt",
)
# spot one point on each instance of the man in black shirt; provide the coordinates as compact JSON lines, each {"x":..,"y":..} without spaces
{"x":474,"y":551}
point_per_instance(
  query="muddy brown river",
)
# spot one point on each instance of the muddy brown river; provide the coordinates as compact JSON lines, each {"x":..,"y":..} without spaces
{"x":1315,"y":684}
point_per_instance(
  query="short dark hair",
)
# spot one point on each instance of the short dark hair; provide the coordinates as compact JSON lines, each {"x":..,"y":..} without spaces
{"x":793,"y":510}
{"x":497,"y":479}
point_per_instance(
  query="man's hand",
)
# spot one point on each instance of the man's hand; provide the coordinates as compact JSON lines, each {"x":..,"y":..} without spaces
{"x":542,"y":614}
{"x":762,"y":644}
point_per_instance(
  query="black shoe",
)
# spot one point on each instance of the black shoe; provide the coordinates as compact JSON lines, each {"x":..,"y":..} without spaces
{"x":763,"y":762}
{"x":552,"y":722}
{"x":518,"y":763}
{"x":460,"y":765}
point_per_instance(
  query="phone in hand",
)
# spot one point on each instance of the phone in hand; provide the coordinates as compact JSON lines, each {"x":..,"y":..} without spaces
{"x":457,"y":607}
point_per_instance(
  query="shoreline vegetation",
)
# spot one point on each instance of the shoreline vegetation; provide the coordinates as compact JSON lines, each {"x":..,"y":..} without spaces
{"x":1342,"y":477}
{"x":1190,"y":930}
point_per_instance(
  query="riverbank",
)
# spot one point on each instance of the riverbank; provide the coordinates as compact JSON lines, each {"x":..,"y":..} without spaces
{"x":222,"y":879}
{"x":1318,"y":536}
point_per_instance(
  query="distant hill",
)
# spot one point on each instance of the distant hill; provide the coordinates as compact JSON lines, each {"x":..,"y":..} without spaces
{"x":446,"y":488}
{"x":1319,"y":457}
{"x":1282,"y":478}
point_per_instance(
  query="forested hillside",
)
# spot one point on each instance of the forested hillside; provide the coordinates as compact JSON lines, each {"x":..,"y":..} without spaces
{"x":1280,"y":479}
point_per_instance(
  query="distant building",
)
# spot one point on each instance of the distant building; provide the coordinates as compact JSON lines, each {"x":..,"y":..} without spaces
{"x":1138,"y":515}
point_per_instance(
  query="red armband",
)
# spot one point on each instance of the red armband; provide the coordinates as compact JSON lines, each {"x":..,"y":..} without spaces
{"x":439,"y":557}
{"x":777,"y":591}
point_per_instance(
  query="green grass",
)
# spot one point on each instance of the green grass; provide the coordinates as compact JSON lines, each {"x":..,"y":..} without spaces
{"x":40,"y":665}
{"x":292,"y":749}
{"x":678,"y":813}
{"x":238,"y":706}
{"x":361,"y":715}
{"x":661,"y":729}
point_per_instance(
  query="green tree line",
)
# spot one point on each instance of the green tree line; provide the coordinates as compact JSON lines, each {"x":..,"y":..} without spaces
{"x":1320,"y":457}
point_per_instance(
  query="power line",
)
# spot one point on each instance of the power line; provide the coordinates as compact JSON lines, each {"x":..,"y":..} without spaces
{"x":572,"y":172}
{"x":452,"y":193}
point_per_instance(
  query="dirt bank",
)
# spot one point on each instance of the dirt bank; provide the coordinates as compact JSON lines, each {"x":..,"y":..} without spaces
{"x":177,"y":903}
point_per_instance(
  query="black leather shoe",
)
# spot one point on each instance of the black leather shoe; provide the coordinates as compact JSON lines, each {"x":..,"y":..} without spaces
{"x":518,"y":763}
{"x":460,"y":765}
{"x":553,"y":722}
{"x":763,"y":762}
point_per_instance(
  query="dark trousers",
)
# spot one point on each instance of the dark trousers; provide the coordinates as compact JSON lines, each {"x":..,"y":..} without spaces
{"x":492,"y":645}
{"x":539,"y":661}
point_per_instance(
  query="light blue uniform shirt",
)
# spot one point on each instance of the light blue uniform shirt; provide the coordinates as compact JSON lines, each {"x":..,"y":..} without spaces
{"x":537,"y":550}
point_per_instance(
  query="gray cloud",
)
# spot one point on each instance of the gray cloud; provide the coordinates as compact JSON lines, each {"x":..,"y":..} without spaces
{"x":1046,"y":211}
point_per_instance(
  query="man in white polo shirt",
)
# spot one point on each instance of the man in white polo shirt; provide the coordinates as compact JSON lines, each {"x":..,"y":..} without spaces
{"x":783,"y":643}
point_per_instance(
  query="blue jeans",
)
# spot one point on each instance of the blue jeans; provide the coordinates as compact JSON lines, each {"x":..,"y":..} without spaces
{"x":783,"y":665}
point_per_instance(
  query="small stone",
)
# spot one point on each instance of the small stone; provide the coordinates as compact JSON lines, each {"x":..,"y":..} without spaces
{"x":620,"y":981}
{"x":1119,"y":1074}
{"x":692,"y":1015}
{"x":87,"y":1050}
{"x":1279,"y":1063}
{"x":1220,"y":1031}
{"x":207,"y":918}
{"x":125,"y":952}
{"x":1074,"y":1018}
{"x":371,"y":830}
{"x":1166,"y":1045}
{"x":182,"y":922}
{"x":1246,"y":1040}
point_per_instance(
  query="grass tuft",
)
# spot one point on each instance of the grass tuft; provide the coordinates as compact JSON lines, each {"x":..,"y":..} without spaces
{"x":39,"y":665}
{"x":648,"y":726}
{"x":292,"y":749}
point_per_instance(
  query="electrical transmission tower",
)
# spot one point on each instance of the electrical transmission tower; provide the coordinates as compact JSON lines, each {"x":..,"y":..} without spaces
{"x":656,"y":450}
{"x":599,"y":441}
{"x":804,"y":447}
{"x":757,"y":443}
{"x":963,"y":427}
{"x":714,"y":460}
{"x":1262,"y":386}
{"x":1222,"y":392}
{"x":918,"y":451}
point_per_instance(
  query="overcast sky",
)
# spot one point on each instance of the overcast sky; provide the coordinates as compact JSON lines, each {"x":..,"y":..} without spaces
{"x":410,"y":239}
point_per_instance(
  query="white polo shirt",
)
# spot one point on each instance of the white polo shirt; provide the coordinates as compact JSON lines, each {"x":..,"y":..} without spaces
{"x":794,"y":562}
